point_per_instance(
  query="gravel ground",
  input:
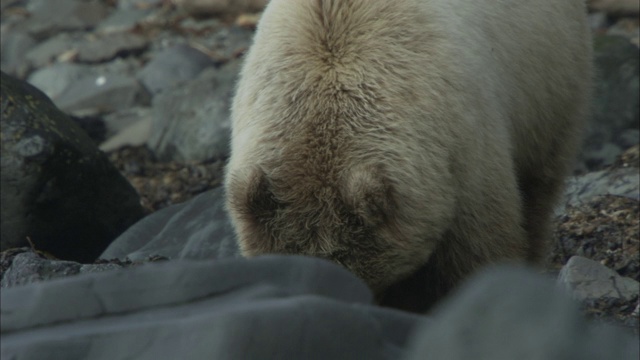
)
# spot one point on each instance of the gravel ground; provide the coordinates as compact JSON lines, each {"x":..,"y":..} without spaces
{"x":161,"y":184}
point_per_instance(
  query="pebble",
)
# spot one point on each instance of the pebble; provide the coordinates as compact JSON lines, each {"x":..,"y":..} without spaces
{"x":588,"y":280}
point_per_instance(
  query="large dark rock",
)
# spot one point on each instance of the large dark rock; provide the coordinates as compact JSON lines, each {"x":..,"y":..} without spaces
{"x":27,"y":267}
{"x":57,"y":189}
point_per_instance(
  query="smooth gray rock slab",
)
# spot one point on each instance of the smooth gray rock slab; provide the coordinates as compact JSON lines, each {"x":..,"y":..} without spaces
{"x":272,"y":307}
{"x":173,"y":66}
{"x":49,"y":17}
{"x":620,"y":182}
{"x":28,"y":268}
{"x":53,"y":80}
{"x":197,"y":229}
{"x":191,"y":122}
{"x":56,"y":188}
{"x":508,"y":313}
{"x":102,"y":93}
{"x":588,"y":279}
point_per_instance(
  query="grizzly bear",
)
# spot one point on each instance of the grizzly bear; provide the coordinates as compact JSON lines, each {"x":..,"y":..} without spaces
{"x":411,"y":141}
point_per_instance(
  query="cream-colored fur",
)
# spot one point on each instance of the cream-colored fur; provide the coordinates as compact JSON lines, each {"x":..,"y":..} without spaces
{"x":407,"y":137}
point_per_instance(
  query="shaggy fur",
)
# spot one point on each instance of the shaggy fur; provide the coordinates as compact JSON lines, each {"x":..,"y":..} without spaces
{"x":407,"y":137}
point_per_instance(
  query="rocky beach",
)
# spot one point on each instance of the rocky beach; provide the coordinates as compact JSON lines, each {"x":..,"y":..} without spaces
{"x":116,"y":244}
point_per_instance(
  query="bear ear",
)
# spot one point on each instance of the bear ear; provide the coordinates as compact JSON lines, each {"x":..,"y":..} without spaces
{"x":369,"y":195}
{"x":252,"y":196}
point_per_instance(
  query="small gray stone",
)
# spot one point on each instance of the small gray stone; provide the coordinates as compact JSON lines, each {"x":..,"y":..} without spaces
{"x":197,"y":229}
{"x":191,"y":122}
{"x":105,"y":47}
{"x":28,"y":267}
{"x":124,"y":118}
{"x":49,"y":17}
{"x":122,"y":20}
{"x":588,"y":279}
{"x":620,"y":182}
{"x":136,"y":134}
{"x":508,"y":313}
{"x":46,"y":52}
{"x":173,"y":66}
{"x":138,"y":4}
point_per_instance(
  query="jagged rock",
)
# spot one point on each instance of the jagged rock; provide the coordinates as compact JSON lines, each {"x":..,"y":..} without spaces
{"x":28,"y":268}
{"x":588,"y":280}
{"x":57,"y":189}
